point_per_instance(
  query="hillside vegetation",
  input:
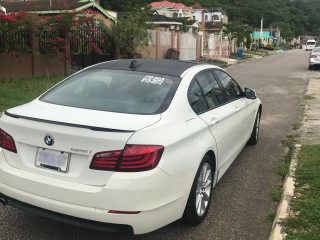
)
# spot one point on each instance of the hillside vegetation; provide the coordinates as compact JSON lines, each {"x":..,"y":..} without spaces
{"x":299,"y":17}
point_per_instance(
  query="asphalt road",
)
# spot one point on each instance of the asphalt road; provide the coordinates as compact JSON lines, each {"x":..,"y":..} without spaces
{"x":242,"y":199}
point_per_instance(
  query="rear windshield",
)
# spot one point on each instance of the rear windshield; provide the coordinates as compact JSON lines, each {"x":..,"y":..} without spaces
{"x":115,"y":91}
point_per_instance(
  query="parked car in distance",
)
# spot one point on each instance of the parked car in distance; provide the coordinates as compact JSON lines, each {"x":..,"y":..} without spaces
{"x":310,"y":45}
{"x":314,"y":58}
{"x":126,"y":145}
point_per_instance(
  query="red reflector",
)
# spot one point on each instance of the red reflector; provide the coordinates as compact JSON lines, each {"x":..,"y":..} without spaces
{"x":123,"y":212}
{"x":7,"y":142}
{"x":105,"y":160}
{"x":140,"y":157}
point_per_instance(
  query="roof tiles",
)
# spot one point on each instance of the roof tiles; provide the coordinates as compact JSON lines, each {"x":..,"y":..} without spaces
{"x":42,"y":5}
{"x":169,"y":5}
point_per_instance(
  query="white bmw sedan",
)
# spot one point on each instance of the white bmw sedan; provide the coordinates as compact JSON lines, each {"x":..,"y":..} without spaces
{"x":127,"y":145}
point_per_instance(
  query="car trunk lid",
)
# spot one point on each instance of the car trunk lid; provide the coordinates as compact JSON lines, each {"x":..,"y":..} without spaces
{"x":77,"y":134}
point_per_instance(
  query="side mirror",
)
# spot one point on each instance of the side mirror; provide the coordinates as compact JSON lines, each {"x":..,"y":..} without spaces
{"x":249,"y":93}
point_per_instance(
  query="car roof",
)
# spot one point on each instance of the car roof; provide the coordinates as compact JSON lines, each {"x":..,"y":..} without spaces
{"x":158,"y":66}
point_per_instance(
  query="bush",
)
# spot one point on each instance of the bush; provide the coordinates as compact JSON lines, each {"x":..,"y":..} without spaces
{"x":269,"y":47}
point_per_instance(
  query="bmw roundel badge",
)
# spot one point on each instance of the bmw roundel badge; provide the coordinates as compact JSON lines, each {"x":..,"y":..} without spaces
{"x":48,"y":140}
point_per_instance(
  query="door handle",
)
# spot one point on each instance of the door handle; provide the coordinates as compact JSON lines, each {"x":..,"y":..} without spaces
{"x":214,"y":121}
{"x":238,"y":109}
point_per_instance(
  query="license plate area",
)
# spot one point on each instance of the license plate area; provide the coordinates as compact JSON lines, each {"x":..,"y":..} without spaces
{"x":52,"y":159}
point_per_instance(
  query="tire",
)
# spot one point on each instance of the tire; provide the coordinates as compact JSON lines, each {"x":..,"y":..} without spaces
{"x":255,"y":131}
{"x":310,"y":67}
{"x":200,"y":195}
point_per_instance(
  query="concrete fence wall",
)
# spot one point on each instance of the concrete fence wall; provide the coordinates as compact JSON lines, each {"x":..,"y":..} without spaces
{"x":161,"y":40}
{"x":29,"y":65}
{"x":187,"y":47}
{"x":190,"y":47}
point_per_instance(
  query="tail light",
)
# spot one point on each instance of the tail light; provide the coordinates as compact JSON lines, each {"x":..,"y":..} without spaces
{"x":313,"y":56}
{"x":7,"y":142}
{"x":105,"y":160}
{"x":134,"y":158}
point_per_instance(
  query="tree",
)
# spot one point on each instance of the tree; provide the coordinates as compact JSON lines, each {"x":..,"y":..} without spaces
{"x":301,"y":15}
{"x":14,"y":30}
{"x":18,"y":29}
{"x":123,"y":5}
{"x":238,"y":31}
{"x":286,"y":31}
{"x":131,"y":32}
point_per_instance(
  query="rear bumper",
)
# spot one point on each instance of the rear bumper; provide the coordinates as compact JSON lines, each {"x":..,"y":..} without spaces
{"x":159,"y":198}
{"x":313,"y":62}
{"x":94,"y":225}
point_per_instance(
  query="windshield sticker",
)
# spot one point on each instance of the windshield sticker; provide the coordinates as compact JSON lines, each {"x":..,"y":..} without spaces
{"x":153,"y":80}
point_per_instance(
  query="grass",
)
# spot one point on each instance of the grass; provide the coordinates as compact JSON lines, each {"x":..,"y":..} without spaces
{"x":304,"y":220}
{"x":17,"y":91}
{"x":258,"y":52}
{"x":284,"y":163}
{"x":283,"y":167}
{"x":216,"y":62}
{"x":308,"y":97}
{"x":277,"y":194}
{"x":296,"y":126}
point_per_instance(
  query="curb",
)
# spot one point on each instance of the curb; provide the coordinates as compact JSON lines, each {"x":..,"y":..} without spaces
{"x":283,"y":209}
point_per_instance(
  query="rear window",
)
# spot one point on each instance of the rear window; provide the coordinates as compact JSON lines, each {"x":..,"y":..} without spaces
{"x":115,"y":91}
{"x":311,"y":43}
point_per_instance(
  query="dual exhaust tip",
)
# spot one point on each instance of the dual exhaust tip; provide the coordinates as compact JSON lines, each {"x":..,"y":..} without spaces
{"x":3,"y":201}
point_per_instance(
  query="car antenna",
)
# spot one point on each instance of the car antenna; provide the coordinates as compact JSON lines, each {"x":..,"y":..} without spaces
{"x":134,"y":64}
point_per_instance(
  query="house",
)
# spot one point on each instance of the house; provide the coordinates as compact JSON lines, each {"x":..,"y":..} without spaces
{"x":172,"y":9}
{"x":198,"y":9}
{"x":211,"y":19}
{"x":2,"y":9}
{"x":170,"y":23}
{"x":215,"y":15}
{"x":56,"y":53}
{"x":210,"y":14}
{"x":193,"y":26}
{"x":165,"y":36}
{"x":266,"y":36}
{"x":52,"y":7}
{"x":213,"y":27}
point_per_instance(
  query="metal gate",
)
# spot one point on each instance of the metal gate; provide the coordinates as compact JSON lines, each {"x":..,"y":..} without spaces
{"x":99,"y":47}
{"x":215,"y":45}
{"x":188,"y":47}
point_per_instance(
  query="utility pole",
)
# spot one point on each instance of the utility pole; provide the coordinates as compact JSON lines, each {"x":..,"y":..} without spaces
{"x":261,"y":28}
{"x":261,"y":32}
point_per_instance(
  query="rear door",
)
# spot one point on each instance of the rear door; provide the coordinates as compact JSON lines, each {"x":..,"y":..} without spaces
{"x":244,"y":108}
{"x":209,"y":101}
{"x":220,"y":102}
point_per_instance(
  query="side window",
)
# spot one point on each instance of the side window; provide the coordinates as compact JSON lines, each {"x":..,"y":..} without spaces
{"x":197,"y":99}
{"x":205,"y":92}
{"x":210,"y":88}
{"x":233,"y":90}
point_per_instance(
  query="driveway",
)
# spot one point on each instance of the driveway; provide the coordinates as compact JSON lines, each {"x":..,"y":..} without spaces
{"x":242,"y":199}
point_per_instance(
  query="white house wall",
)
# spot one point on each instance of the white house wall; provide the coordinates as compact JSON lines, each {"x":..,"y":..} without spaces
{"x":169,"y":12}
{"x":197,"y":15}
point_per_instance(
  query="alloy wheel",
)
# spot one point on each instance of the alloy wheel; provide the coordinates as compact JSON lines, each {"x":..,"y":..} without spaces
{"x":203,"y":189}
